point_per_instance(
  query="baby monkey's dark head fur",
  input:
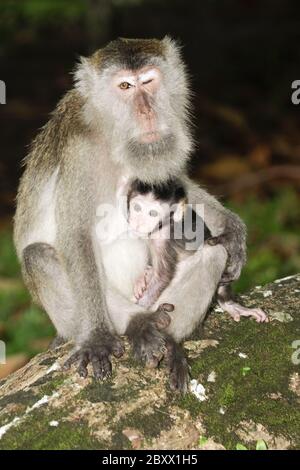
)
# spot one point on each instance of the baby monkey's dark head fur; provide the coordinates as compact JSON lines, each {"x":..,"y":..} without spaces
{"x":171,"y":191}
{"x":153,"y":206}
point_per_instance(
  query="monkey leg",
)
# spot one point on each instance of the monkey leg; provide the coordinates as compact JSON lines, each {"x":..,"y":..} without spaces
{"x":235,"y":310}
{"x":49,"y":285}
{"x":191,"y":292}
{"x":193,"y":288}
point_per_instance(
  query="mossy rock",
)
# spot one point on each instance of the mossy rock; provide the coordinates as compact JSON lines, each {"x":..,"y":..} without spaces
{"x":250,"y":373}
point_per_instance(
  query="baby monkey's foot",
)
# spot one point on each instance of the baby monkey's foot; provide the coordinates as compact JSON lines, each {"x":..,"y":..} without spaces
{"x":141,"y":284}
{"x":236,"y":311}
{"x":97,"y":351}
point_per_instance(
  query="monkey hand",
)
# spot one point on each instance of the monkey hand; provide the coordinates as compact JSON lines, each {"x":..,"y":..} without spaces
{"x":97,"y":351}
{"x":145,"y":332}
{"x":236,"y":255}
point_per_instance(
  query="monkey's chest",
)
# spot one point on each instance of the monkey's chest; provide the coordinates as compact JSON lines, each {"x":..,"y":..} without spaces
{"x":124,"y":261}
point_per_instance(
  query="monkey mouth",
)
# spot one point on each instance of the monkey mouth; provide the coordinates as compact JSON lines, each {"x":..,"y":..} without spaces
{"x":150,"y":137}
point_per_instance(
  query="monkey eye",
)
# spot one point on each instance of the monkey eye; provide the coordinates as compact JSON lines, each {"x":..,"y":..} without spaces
{"x":125,"y":85}
{"x":137,"y":207}
{"x":148,"y":81}
{"x":153,"y":213}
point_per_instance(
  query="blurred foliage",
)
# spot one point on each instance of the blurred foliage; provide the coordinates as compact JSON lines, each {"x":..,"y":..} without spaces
{"x":273,"y":237}
{"x":273,"y":252}
{"x":35,"y":12}
{"x":9,"y":266}
{"x":23,"y":326}
{"x":31,"y":15}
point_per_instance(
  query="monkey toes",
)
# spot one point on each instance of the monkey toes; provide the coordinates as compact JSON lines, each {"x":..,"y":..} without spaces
{"x":236,"y":311}
{"x":97,"y":351}
{"x":151,"y":344}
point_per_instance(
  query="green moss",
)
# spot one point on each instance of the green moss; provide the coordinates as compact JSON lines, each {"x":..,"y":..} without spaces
{"x":227,"y":395}
{"x":191,"y":403}
{"x":150,"y":425}
{"x":21,"y":398}
{"x":247,"y":397}
{"x":35,"y":433}
{"x":98,"y":391}
{"x":52,"y":385}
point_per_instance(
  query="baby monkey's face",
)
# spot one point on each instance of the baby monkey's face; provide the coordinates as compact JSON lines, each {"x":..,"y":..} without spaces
{"x":146,"y":212}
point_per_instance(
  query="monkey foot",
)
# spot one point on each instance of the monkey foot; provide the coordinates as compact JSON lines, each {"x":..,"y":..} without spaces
{"x":96,"y":351}
{"x":146,"y":336}
{"x":178,"y":367}
{"x":236,"y":311}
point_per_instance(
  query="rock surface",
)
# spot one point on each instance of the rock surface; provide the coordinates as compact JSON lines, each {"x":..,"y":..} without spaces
{"x":246,"y":391}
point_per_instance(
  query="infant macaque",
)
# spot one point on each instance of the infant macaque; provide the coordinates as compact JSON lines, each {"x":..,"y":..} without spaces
{"x":160,"y":213}
{"x":174,"y":231}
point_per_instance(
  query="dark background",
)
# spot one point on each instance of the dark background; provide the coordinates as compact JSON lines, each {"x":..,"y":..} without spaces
{"x":243,"y":56}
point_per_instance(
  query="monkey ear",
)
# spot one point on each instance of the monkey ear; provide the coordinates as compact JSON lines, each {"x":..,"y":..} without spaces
{"x":179,"y":212}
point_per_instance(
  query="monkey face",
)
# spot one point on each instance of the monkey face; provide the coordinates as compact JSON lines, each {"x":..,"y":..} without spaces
{"x":136,"y":98}
{"x":145,"y":214}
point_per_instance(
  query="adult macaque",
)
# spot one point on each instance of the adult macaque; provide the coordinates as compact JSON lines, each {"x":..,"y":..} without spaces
{"x":127,"y":116}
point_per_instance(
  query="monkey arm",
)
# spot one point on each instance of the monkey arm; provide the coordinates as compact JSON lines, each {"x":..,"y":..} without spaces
{"x":94,"y":334}
{"x":222,"y":221}
{"x":77,"y":200}
{"x":86,"y":284}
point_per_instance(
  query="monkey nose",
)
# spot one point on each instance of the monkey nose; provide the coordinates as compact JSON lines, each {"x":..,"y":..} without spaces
{"x":143,"y":106}
{"x":145,"y":112}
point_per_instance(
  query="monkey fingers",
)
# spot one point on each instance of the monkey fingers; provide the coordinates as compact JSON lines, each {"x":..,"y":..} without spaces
{"x":161,"y":317}
{"x":166,"y":307}
{"x":71,"y":360}
{"x":117,"y":349}
{"x":98,"y":358}
{"x":140,"y":287}
{"x":148,"y":342}
{"x":213,"y":241}
{"x":82,"y":368}
{"x":96,"y":351}
{"x":101,"y":366}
